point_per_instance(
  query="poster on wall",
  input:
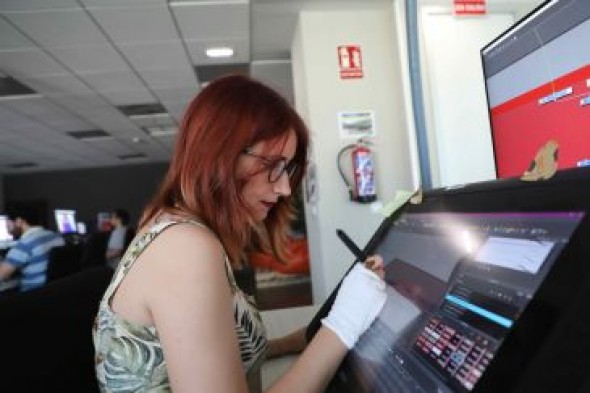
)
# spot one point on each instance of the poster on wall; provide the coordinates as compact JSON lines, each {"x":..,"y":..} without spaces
{"x":350,"y":62}
{"x":356,"y":124}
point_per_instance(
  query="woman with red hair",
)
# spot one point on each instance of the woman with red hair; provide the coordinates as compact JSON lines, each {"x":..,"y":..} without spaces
{"x":173,"y":317}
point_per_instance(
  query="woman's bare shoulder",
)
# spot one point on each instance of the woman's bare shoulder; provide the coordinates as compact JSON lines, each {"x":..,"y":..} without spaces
{"x":185,"y":254}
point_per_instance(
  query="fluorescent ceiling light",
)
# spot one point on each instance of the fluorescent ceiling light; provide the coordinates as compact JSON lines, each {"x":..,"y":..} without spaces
{"x":20,"y":97}
{"x":156,"y":131}
{"x":219,"y":52}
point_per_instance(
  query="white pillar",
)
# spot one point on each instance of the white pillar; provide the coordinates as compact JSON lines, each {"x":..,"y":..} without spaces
{"x":320,"y":94}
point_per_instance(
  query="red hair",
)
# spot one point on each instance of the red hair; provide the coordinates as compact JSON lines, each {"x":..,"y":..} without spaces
{"x":226,"y":117}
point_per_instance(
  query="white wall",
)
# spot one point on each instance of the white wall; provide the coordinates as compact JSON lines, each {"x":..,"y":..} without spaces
{"x":458,"y":128}
{"x":319,"y":95}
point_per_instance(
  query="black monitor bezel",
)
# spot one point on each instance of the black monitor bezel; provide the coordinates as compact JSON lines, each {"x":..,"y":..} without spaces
{"x":535,"y":336}
{"x":75,"y":229}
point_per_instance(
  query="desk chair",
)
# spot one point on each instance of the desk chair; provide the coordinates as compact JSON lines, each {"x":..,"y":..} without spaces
{"x":64,"y":261}
{"x":129,"y":235}
{"x":94,"y":250}
{"x":47,"y":340}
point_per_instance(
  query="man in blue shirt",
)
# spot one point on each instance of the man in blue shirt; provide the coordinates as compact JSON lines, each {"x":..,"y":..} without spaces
{"x":117,"y":239}
{"x":31,"y":252}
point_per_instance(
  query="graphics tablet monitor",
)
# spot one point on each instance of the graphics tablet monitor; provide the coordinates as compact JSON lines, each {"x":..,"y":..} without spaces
{"x":483,"y":287}
{"x":65,"y":221}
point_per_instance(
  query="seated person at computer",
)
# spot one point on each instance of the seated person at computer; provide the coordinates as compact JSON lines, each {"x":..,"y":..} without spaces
{"x":31,"y":252}
{"x":116,"y":245}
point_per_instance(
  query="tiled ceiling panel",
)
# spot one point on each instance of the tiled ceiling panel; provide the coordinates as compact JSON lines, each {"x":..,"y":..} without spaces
{"x":155,"y":55}
{"x":132,"y":24}
{"x":30,"y":62}
{"x":36,"y":5}
{"x":58,"y":85}
{"x":89,"y":58}
{"x":57,"y":28}
{"x":213,"y":21}
{"x":11,"y":38}
{"x":83,"y":58}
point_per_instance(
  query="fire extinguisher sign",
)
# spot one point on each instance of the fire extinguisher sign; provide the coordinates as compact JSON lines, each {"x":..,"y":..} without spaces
{"x":350,"y":61}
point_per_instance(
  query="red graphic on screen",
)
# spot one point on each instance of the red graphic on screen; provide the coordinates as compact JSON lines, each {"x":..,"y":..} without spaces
{"x":559,"y":110}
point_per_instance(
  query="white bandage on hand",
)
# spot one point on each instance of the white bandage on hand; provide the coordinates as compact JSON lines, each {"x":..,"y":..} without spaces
{"x":360,"y":299}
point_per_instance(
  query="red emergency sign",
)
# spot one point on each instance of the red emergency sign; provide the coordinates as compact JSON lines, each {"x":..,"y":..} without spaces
{"x":350,"y":61}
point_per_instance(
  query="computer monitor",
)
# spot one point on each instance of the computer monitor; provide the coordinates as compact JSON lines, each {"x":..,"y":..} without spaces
{"x":103,"y":221}
{"x":65,"y":221}
{"x":537,"y":78}
{"x":487,"y":289}
{"x":5,"y":235}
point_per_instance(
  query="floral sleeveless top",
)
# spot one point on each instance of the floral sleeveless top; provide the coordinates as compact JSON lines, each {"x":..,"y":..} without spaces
{"x":129,"y":357}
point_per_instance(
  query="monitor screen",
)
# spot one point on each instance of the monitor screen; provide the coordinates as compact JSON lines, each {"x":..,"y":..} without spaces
{"x":65,"y":221}
{"x":537,"y":80}
{"x":456,"y":285}
{"x":4,"y":229}
{"x":103,"y":222}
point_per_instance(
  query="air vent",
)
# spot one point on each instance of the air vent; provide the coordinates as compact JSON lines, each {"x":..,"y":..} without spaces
{"x":134,"y":156}
{"x":208,"y":73}
{"x":11,"y":89}
{"x":89,"y":134}
{"x":142,"y":109}
{"x":23,"y":165}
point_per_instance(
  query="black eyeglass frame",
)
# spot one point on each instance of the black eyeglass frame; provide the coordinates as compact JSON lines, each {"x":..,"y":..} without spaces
{"x":276,"y":165}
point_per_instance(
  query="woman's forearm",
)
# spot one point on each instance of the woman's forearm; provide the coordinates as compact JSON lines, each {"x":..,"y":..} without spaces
{"x":315,"y":367}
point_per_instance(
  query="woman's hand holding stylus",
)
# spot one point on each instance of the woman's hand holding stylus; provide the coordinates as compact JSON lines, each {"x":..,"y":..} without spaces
{"x":360,"y":299}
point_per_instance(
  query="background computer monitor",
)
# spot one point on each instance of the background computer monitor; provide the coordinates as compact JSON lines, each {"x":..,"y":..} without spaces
{"x":65,"y":221}
{"x":4,"y":229}
{"x":103,"y":221}
{"x":537,"y":78}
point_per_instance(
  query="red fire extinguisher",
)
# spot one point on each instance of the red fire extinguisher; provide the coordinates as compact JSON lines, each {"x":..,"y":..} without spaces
{"x":362,"y":187}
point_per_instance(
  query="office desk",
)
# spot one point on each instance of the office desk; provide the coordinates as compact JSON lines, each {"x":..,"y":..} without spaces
{"x":8,"y":285}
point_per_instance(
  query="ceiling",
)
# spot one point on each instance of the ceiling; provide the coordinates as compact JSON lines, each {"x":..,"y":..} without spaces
{"x":93,"y":83}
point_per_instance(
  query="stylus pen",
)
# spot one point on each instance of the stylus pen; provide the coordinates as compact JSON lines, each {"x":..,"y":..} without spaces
{"x":351,"y":246}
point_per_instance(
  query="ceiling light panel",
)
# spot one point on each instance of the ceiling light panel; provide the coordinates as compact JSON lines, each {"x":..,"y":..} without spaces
{"x":157,"y":131}
{"x":198,"y":50}
{"x":219,"y":52}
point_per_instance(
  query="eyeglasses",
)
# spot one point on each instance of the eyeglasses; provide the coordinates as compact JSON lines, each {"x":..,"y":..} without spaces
{"x":276,"y":166}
